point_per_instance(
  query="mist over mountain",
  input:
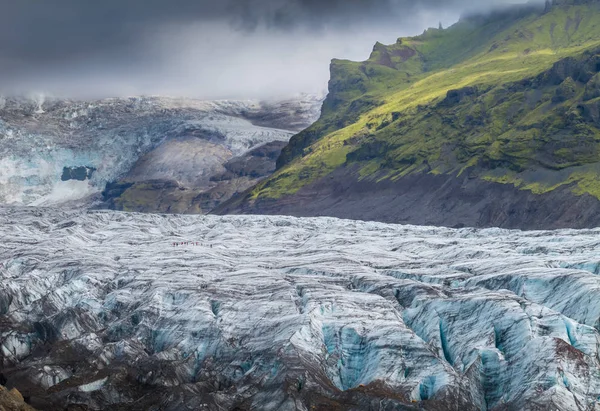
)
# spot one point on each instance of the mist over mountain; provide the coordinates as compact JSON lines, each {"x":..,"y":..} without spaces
{"x":206,"y":49}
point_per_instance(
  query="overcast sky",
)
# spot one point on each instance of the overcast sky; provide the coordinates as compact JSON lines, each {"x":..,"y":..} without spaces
{"x":199,"y":48}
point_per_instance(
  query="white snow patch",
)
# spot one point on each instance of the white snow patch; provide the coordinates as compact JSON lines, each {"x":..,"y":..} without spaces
{"x":93,"y":386}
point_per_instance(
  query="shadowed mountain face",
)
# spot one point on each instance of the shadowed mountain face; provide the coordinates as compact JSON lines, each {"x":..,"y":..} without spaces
{"x":492,"y":122}
{"x":124,"y":311}
{"x":427,"y":199}
{"x":161,"y":152}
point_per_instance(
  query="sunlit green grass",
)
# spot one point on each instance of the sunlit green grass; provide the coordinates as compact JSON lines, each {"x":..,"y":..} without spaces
{"x":487,"y":54}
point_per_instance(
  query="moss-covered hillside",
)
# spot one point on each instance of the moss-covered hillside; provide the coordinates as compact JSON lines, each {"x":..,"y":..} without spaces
{"x":512,"y":98}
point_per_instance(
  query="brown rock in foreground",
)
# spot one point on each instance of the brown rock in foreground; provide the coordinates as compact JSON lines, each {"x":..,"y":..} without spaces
{"x":12,"y":400}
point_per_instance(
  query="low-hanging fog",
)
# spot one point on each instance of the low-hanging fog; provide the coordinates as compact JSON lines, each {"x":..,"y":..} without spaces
{"x":199,"y":48}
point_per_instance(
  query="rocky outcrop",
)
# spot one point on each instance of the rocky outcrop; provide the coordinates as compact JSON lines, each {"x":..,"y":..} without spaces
{"x":123,"y":311}
{"x":257,"y":163}
{"x":454,"y":97}
{"x":158,"y":196}
{"x":12,"y":400}
{"x":81,"y":173}
{"x":188,"y":160}
{"x":592,"y":88}
{"x":189,"y":177}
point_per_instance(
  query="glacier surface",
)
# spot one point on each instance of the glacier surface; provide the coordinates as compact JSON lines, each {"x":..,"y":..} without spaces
{"x":40,"y":139}
{"x":116,"y":311}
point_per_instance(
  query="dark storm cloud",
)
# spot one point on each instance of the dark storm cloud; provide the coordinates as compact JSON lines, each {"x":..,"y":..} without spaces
{"x":166,"y":46}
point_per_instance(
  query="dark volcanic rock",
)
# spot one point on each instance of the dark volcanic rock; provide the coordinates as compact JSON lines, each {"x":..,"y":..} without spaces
{"x":592,"y":88}
{"x":591,"y":111}
{"x":115,"y":189}
{"x":427,"y":199}
{"x":162,"y":196}
{"x":77,"y":173}
{"x":259,"y":162}
{"x":456,"y":96}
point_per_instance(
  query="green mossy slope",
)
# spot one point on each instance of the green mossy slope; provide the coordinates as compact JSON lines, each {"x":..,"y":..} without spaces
{"x":513,"y":97}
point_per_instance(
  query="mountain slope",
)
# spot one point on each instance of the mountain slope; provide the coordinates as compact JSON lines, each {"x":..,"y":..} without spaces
{"x":493,"y":121}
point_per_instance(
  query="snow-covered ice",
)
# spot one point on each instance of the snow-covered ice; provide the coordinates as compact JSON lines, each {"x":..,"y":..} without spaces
{"x":111,"y":135}
{"x":277,"y":313}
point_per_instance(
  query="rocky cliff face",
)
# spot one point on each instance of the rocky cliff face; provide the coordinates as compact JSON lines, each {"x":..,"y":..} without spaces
{"x":106,"y":310}
{"x":60,"y":151}
{"x":493,"y":121}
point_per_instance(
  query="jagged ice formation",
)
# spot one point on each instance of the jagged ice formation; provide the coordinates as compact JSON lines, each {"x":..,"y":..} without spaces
{"x":277,"y":313}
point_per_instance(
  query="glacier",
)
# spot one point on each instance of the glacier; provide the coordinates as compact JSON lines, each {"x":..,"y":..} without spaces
{"x":110,"y":310}
{"x":41,"y":139}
